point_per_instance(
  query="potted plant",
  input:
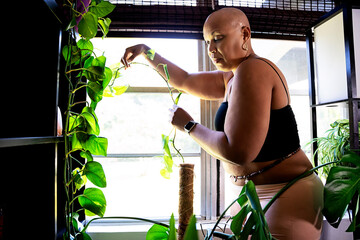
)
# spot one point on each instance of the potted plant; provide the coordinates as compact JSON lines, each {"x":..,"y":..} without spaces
{"x":332,"y":146}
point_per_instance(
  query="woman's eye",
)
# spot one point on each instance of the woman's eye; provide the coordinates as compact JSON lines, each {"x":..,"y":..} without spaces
{"x":217,"y":38}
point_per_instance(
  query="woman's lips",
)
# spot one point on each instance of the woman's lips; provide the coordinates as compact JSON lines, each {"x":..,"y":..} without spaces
{"x":216,"y":60}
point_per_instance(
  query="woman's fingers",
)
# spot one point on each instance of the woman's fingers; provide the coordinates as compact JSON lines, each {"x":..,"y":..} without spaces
{"x":172,"y":113}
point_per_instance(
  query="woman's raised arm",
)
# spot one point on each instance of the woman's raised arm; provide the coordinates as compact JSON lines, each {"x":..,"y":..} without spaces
{"x":206,"y":85}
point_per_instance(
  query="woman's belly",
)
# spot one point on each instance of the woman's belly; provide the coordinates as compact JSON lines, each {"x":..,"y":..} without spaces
{"x":280,"y":173}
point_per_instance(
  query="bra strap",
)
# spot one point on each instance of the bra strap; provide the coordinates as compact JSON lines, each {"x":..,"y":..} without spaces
{"x":287,"y":94}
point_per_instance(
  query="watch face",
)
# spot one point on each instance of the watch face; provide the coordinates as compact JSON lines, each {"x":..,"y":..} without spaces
{"x":189,"y":125}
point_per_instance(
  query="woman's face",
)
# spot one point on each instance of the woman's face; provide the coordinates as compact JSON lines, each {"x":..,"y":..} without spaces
{"x":224,"y":40}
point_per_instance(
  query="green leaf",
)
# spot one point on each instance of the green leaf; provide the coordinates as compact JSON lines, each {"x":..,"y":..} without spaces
{"x":172,"y":230}
{"x":87,"y":155}
{"x":86,"y":46}
{"x":165,"y":141}
{"x":79,"y":179}
{"x":92,"y":125}
{"x":93,"y":200}
{"x":95,"y":92}
{"x":157,"y":232}
{"x":88,"y":25}
{"x":99,"y":62}
{"x":90,"y":110}
{"x":191,"y":232}
{"x":165,"y":173}
{"x":341,"y":185}
{"x":74,"y":122}
{"x":97,"y":145}
{"x":95,"y":173}
{"x":71,"y":56}
{"x":94,"y":73}
{"x":108,"y":76}
{"x":102,"y":9}
{"x":75,"y":221}
{"x":150,"y":54}
{"x":115,"y":91}
{"x":238,"y":220}
{"x":104,"y":25}
{"x":177,"y":98}
{"x":166,"y":72}
{"x":83,"y":236}
{"x":75,"y":142}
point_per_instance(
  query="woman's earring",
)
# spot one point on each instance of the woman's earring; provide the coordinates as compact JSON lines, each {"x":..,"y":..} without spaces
{"x":245,"y":47}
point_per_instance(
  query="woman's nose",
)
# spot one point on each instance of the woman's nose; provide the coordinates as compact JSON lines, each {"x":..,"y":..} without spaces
{"x":211,"y":48}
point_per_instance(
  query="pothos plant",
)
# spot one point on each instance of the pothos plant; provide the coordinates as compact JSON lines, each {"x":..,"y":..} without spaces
{"x":85,"y":70}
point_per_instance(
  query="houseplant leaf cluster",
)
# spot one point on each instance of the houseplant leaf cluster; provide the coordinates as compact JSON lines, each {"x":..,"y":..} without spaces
{"x":333,"y":145}
{"x":342,"y":186}
{"x":160,"y":232}
{"x":85,"y":70}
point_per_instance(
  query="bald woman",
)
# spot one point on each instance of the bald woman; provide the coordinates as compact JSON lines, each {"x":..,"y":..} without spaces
{"x":256,"y":136}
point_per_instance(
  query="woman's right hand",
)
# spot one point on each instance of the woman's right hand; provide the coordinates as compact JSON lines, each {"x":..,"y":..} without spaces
{"x":132,"y":52}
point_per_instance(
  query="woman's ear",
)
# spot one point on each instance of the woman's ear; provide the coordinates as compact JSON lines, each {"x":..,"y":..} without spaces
{"x":246,"y":33}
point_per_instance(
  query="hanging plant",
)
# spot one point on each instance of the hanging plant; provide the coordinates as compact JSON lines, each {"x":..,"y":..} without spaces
{"x":84,"y":69}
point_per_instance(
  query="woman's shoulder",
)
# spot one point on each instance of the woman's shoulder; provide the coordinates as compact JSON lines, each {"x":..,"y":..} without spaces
{"x":256,"y":68}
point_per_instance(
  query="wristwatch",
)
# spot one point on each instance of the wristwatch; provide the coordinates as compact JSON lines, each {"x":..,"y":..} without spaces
{"x":189,"y":126}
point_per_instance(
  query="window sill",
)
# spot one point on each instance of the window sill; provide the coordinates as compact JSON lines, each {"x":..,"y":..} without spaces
{"x":137,"y":231}
{"x":108,"y":230}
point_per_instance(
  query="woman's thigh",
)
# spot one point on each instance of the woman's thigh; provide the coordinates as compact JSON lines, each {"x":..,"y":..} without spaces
{"x":296,"y":214}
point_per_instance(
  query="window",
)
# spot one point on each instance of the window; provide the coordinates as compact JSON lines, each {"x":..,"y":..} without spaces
{"x":134,"y":123}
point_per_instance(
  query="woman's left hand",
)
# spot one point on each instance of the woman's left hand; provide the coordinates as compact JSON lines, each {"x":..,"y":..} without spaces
{"x":179,"y":117}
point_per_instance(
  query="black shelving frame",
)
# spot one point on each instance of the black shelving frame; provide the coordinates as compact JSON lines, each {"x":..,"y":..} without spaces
{"x":31,"y":153}
{"x":352,"y":101}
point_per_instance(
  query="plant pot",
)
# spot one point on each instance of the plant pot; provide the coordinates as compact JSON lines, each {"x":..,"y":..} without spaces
{"x":186,"y":197}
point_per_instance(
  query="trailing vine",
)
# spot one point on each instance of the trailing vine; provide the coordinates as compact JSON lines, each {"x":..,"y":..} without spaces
{"x":85,"y":70}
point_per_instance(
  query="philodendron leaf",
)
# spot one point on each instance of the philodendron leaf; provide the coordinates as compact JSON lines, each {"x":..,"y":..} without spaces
{"x":341,"y":185}
{"x":94,"y":202}
{"x":95,"y":173}
{"x":157,"y":232}
{"x":191,"y":232}
{"x":238,"y":220}
{"x":172,"y":230}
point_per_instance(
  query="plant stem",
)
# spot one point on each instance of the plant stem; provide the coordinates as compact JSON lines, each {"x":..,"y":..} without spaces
{"x":177,"y":150}
{"x":221,"y":217}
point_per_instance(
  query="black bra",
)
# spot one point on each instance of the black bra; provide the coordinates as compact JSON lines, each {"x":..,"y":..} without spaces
{"x":282,"y":137}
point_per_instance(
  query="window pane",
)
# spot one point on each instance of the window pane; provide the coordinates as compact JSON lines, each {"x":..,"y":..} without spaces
{"x":182,"y":52}
{"x":134,"y":122}
{"x":136,"y":188}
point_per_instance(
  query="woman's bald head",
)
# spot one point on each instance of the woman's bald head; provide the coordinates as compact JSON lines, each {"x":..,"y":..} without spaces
{"x":228,"y":16}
